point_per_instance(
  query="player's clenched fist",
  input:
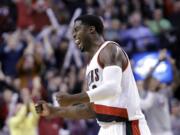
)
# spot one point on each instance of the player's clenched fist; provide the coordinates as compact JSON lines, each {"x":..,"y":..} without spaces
{"x":43,"y":108}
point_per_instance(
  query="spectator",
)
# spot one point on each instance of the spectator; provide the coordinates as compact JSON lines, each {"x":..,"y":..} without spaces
{"x":4,"y":105}
{"x":10,"y":53}
{"x":25,"y":119}
{"x":155,"y":105}
{"x":144,"y":36}
{"x":60,"y":53}
{"x":50,"y":126}
{"x":8,"y":16}
{"x":113,"y":32}
{"x":24,"y":20}
{"x":32,"y":14}
{"x":159,"y":24}
{"x":28,"y":68}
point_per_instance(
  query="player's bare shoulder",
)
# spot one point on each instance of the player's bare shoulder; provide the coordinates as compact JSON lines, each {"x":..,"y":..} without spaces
{"x":112,"y":54}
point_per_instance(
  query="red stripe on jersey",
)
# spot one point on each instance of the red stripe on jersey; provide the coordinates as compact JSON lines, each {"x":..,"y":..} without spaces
{"x":135,"y":127}
{"x":102,"y":109}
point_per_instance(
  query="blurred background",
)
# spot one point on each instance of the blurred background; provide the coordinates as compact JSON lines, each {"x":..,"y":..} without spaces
{"x":38,"y":58}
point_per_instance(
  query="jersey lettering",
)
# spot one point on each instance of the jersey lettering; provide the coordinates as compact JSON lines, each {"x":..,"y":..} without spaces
{"x":93,"y":76}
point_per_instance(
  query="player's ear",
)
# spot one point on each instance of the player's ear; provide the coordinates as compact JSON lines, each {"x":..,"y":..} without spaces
{"x":92,"y":29}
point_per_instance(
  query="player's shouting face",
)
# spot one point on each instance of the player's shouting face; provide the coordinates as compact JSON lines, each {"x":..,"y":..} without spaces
{"x":82,"y":35}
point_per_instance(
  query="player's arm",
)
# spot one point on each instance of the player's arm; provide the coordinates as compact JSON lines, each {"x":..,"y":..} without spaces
{"x":80,"y":111}
{"x":113,"y":61}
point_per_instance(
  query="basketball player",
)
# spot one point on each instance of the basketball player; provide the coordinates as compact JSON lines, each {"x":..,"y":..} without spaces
{"x":112,"y":97}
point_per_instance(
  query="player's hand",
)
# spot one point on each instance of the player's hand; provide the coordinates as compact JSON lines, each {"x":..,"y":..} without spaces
{"x":64,"y":99}
{"x":43,"y":108}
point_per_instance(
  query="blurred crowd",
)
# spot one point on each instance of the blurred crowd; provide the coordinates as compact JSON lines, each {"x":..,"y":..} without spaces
{"x":38,"y":58}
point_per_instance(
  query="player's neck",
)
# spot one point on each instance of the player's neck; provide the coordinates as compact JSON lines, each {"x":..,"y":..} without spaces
{"x":97,"y":42}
